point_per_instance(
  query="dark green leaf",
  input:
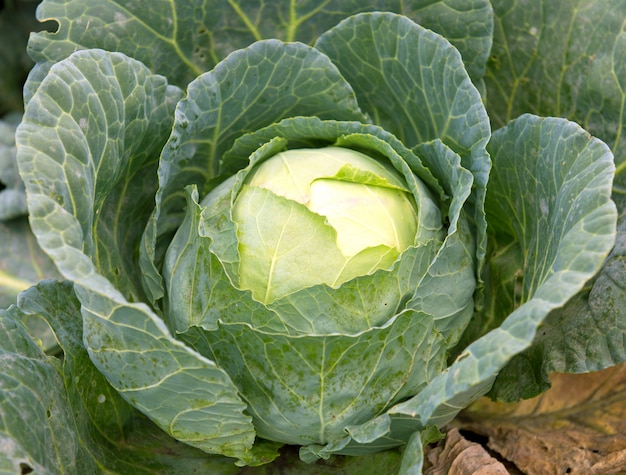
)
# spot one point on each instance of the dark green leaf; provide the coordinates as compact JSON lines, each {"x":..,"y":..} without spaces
{"x":587,"y":334}
{"x":181,"y":39}
{"x":553,"y":223}
{"x":561,"y":59}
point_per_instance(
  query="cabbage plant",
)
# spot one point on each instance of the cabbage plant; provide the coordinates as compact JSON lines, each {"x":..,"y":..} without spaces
{"x":301,"y":244}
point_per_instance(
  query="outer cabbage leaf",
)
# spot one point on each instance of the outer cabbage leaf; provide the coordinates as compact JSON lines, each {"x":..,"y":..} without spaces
{"x":567,"y":185}
{"x":309,"y":398}
{"x":104,"y":118}
{"x":61,"y":416}
{"x":566,"y":60}
{"x":578,"y":340}
{"x":35,"y":418}
{"x":570,"y":342}
{"x":181,"y":39}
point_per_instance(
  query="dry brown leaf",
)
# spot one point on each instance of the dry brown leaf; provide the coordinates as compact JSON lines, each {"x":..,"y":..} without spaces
{"x":458,"y":456}
{"x":577,"y":427}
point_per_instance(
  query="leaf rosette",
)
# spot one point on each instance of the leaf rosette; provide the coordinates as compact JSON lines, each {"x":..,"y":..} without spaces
{"x":315,"y":358}
{"x":133,"y":189}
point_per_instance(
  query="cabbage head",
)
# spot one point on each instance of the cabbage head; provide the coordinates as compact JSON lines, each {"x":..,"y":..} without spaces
{"x":292,"y":250}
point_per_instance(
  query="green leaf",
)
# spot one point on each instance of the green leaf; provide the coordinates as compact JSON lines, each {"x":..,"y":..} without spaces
{"x":561,"y":59}
{"x":551,"y":209}
{"x":104,"y":118}
{"x":585,"y":335}
{"x":307,"y":388}
{"x":468,"y":25}
{"x":181,"y":39}
{"x":34,"y":416}
{"x":61,"y":415}
{"x":398,"y":68}
{"x":413,"y":460}
{"x":107,"y":155}
{"x":564,"y":60}
{"x":250,"y":89}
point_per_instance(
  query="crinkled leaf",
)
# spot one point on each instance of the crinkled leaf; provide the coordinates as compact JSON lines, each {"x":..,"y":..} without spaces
{"x":181,"y":39}
{"x":250,"y":89}
{"x":445,"y":291}
{"x":107,"y":156}
{"x":307,"y":388}
{"x":98,"y":123}
{"x":561,"y":59}
{"x":61,"y":415}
